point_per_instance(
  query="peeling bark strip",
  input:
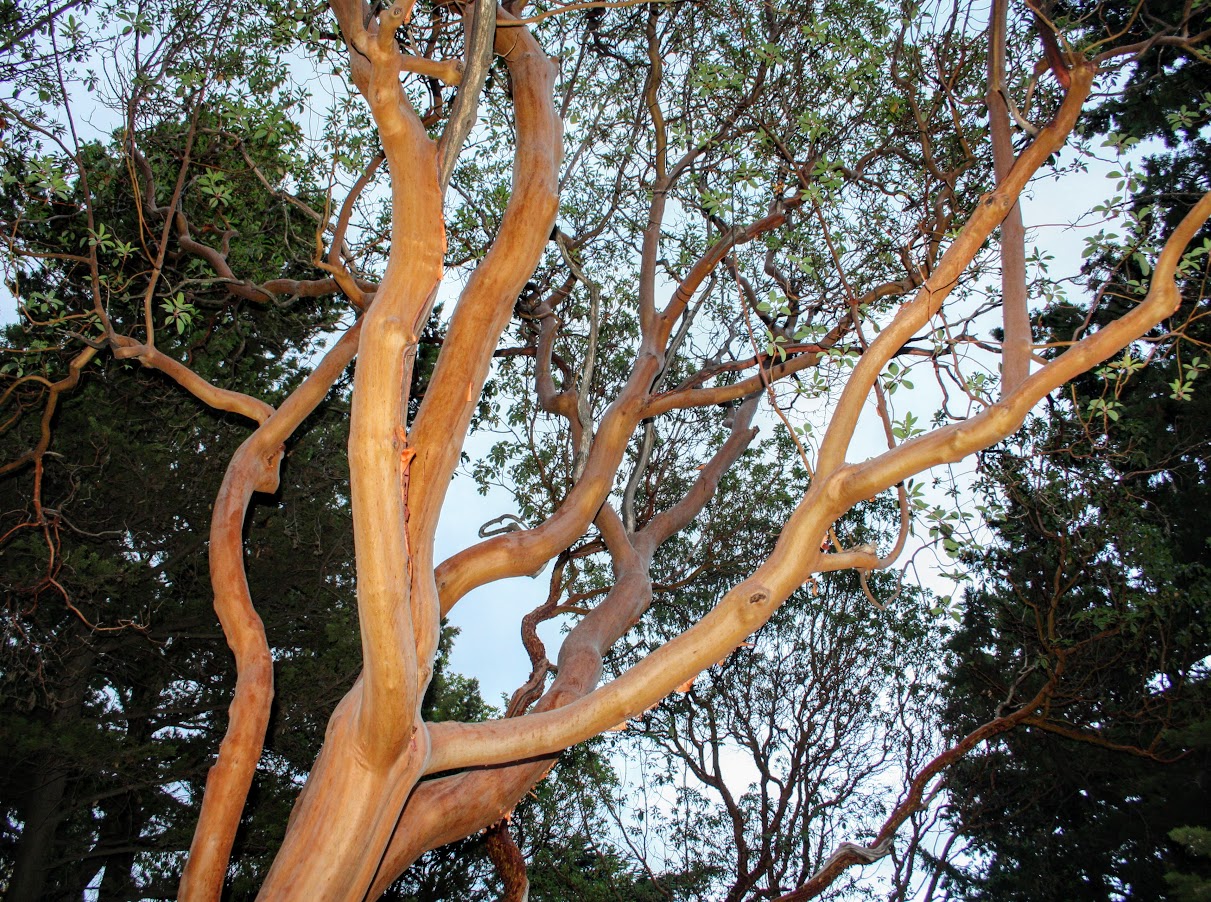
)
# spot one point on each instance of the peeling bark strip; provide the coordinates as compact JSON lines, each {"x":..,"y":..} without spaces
{"x":366,"y":812}
{"x":509,"y":863}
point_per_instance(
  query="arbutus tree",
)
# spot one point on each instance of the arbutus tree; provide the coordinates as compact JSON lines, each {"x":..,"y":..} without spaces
{"x":753,"y":198}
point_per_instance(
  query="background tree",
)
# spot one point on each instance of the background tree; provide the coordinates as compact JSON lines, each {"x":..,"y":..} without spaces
{"x":116,"y":678}
{"x":1098,"y":574}
{"x":798,"y":197}
{"x":1083,"y":593}
{"x":756,"y":771}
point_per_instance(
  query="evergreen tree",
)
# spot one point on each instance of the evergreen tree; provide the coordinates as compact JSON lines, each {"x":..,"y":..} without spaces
{"x":114,"y":674}
{"x":1097,"y":582}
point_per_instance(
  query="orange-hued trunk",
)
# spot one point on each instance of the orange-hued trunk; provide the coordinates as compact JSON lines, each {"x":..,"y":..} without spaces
{"x":377,"y":747}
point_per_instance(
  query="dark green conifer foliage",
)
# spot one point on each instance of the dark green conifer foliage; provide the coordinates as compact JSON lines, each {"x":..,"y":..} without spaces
{"x":1100,"y":568}
{"x":114,"y":674}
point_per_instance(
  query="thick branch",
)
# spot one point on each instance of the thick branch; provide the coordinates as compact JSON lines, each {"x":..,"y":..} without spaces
{"x":486,"y":304}
{"x":954,"y":442}
{"x":914,"y":315}
{"x":1015,"y":357}
{"x":254,"y":468}
{"x":218,"y":398}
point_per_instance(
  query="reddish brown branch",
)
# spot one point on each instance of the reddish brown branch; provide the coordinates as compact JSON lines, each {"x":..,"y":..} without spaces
{"x":1051,"y":51}
{"x":1017,"y":349}
{"x":1084,"y":736}
{"x":67,"y":383}
{"x":212,"y":396}
{"x":510,"y":864}
{"x":254,"y":468}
